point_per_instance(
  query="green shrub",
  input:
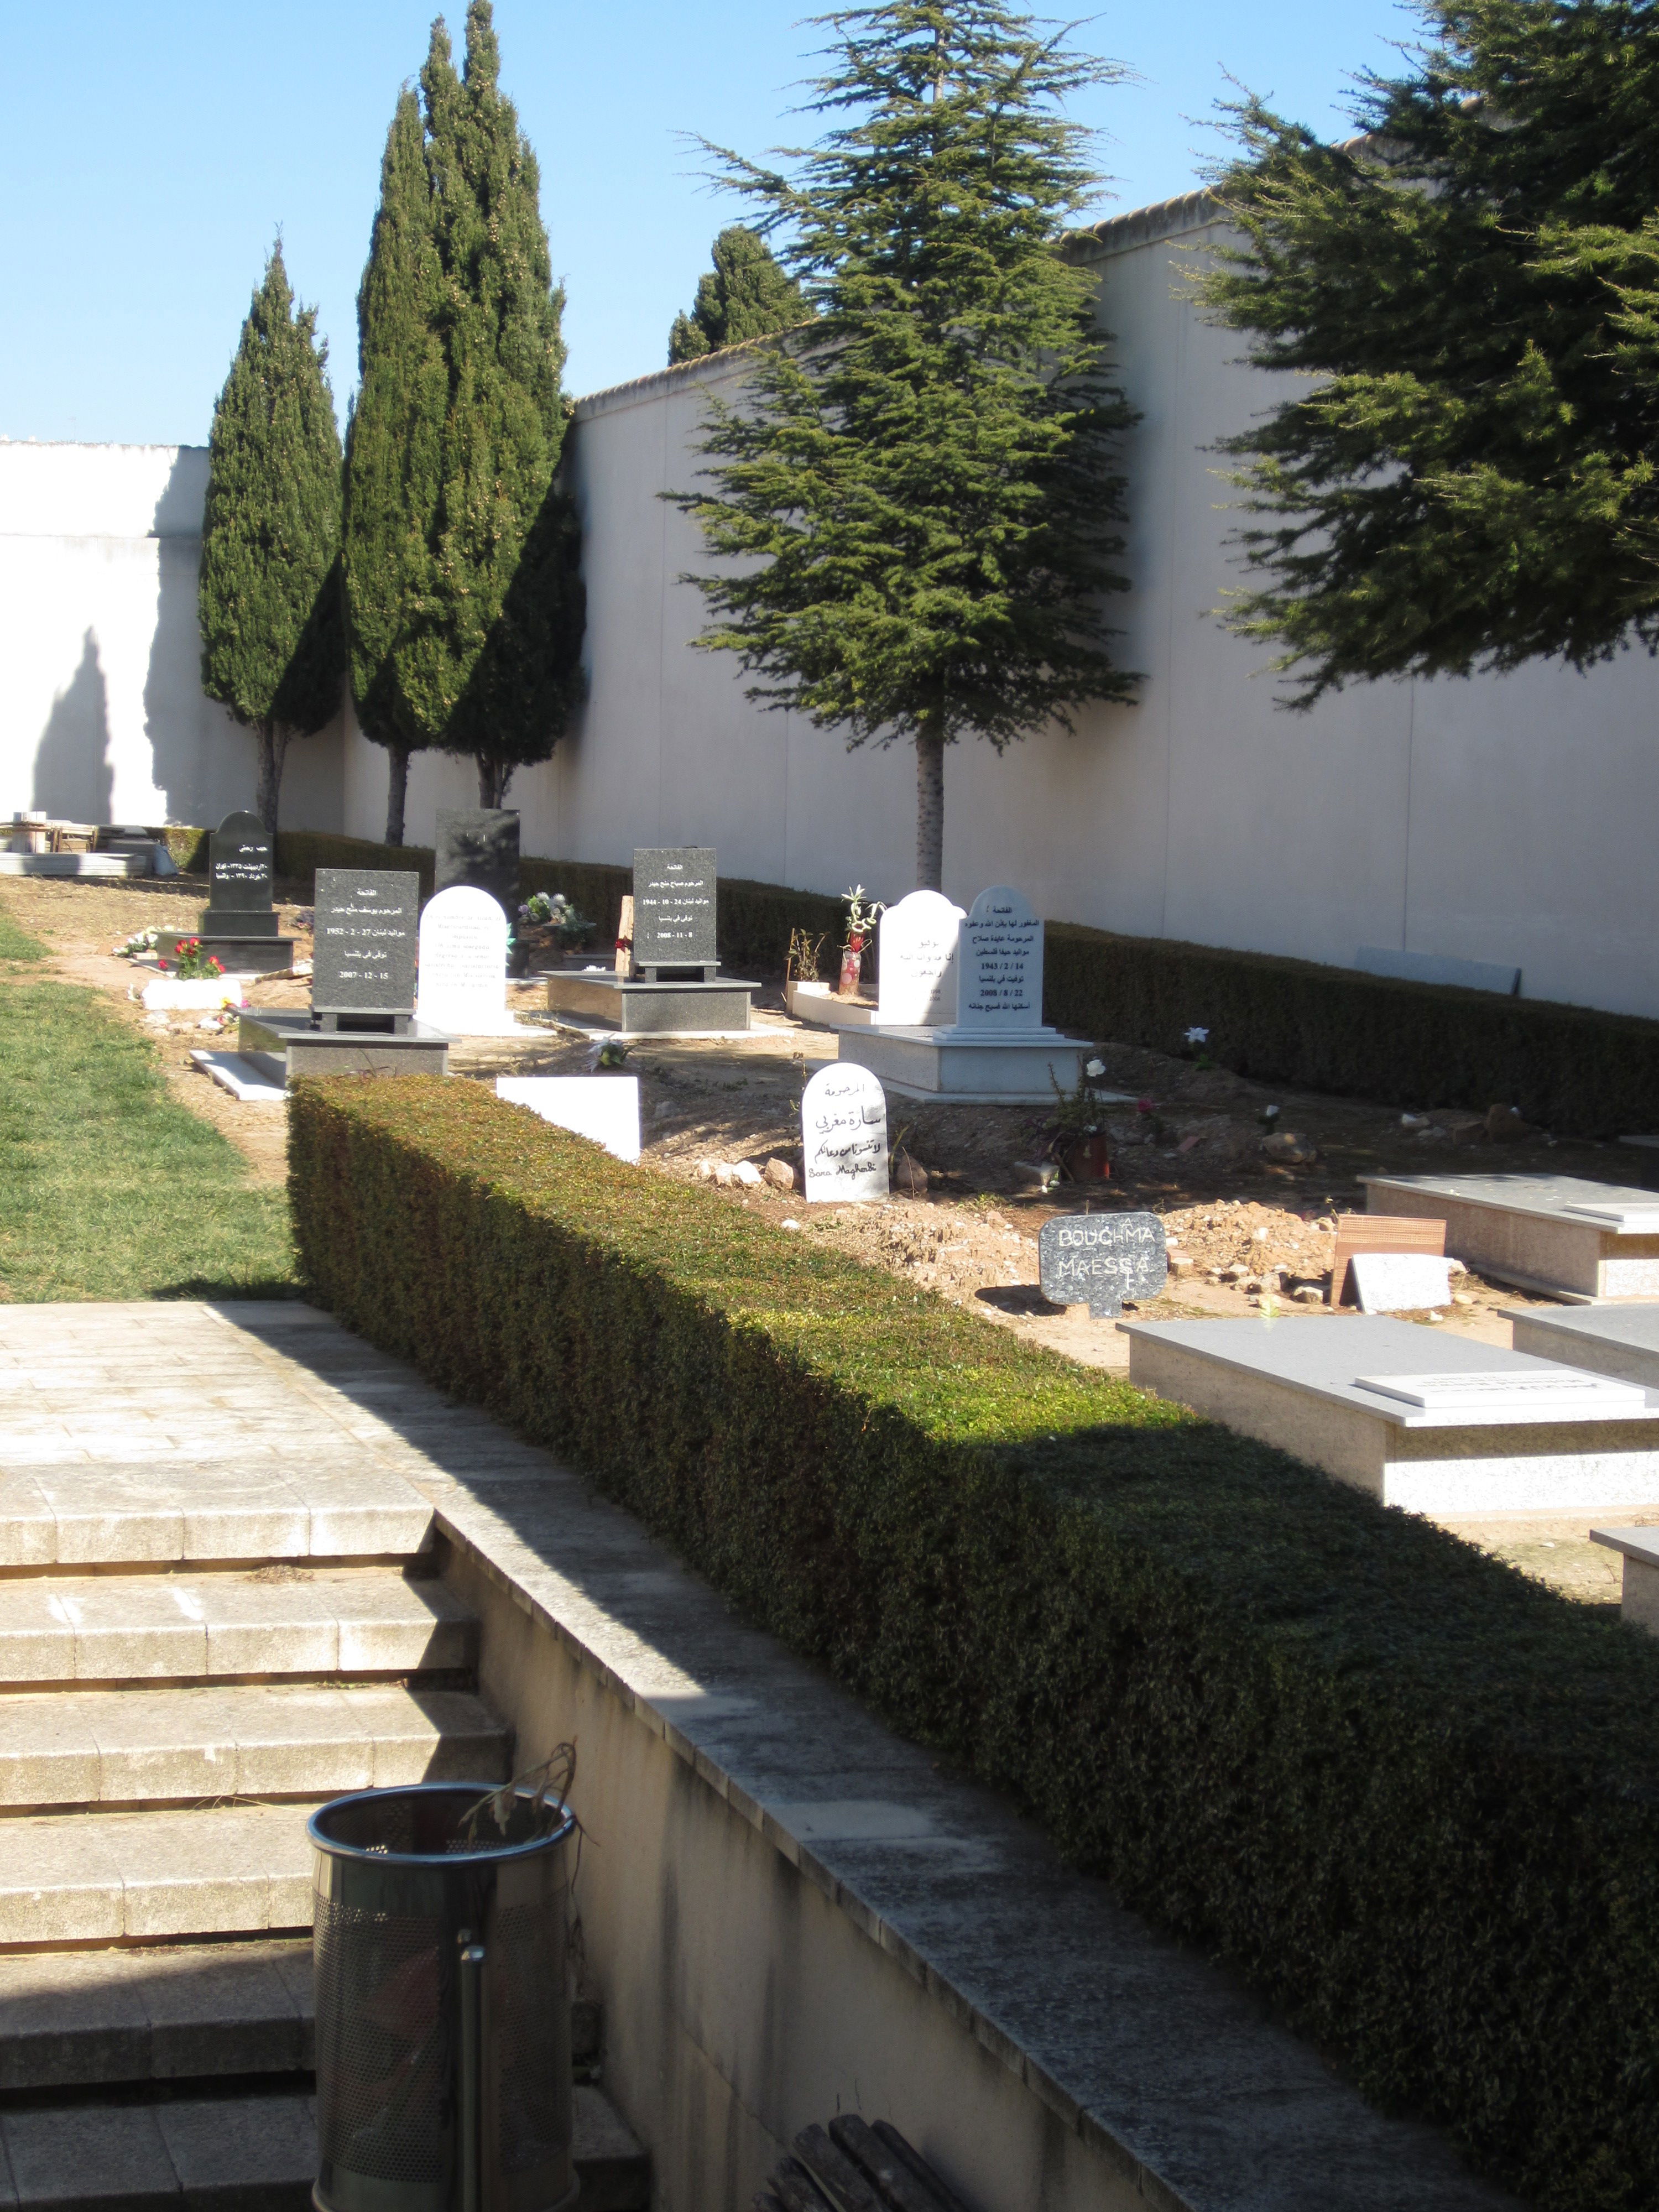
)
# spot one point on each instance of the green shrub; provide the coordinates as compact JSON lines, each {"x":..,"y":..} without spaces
{"x":1573,"y":1070}
{"x":300,"y":853}
{"x":1413,"y":1794}
{"x":187,"y":848}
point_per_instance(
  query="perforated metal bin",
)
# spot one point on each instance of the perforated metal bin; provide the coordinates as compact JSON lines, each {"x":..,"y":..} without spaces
{"x":443,"y":2020}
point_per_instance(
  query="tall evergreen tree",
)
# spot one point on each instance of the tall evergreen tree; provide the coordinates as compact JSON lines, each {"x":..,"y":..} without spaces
{"x":745,"y":295}
{"x":921,"y":488}
{"x":1469,"y":476}
{"x":498,"y":666}
{"x":394,"y":446}
{"x":268,"y":595}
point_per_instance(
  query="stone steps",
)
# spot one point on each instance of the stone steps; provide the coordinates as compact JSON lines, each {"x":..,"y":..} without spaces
{"x":272,"y":1621}
{"x":88,"y":1747}
{"x":240,"y":2154}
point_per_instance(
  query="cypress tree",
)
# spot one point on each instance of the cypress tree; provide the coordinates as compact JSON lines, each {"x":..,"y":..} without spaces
{"x":269,"y":596}
{"x":497,"y":668}
{"x":921,"y":492}
{"x":394,"y":443}
{"x":745,"y":295}
{"x":1469,"y":296}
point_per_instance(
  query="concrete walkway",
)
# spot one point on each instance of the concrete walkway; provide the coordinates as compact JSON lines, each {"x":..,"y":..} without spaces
{"x":173,"y":1445}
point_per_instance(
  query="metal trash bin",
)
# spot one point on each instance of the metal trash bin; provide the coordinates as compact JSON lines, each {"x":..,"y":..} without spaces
{"x":443,"y":2018}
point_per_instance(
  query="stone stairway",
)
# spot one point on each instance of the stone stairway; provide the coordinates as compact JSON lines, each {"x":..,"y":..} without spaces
{"x":193,"y":1657}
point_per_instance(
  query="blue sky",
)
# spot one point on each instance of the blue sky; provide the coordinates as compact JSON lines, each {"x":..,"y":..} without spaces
{"x":152,"y":149}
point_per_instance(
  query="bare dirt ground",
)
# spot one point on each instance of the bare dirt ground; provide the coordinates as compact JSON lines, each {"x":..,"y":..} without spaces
{"x":1246,"y":1231}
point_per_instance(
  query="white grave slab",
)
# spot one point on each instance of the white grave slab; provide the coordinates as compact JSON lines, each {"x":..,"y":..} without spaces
{"x":461,"y":987}
{"x":243,"y":1077}
{"x":1001,"y":986}
{"x":1576,"y":1239}
{"x":1417,"y":1417}
{"x":1400,"y":1282}
{"x":919,"y":962}
{"x":605,"y":1108}
{"x":843,"y":1128}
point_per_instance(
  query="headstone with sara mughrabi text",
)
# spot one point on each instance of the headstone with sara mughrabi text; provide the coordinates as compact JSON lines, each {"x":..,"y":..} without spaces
{"x":674,"y":888}
{"x":241,"y":867}
{"x":843,"y":1133}
{"x":1099,"y":1260}
{"x":363,"y":961}
{"x":462,"y":985}
{"x":478,"y":845}
{"x":1000,"y":980}
{"x":919,"y":938}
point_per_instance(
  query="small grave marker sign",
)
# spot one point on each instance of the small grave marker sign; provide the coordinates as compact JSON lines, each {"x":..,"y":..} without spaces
{"x":1000,"y":986}
{"x":843,"y":1129}
{"x":919,"y":962}
{"x":1101,"y":1258}
{"x":365,"y":941}
{"x":463,"y":979}
{"x":240,"y":865}
{"x":674,"y":889}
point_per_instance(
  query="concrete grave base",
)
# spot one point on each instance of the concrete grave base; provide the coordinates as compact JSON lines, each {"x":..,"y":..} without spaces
{"x":618,"y":1003}
{"x":288,"y":1041}
{"x":1638,"y":1600}
{"x":971,"y":1067}
{"x":1613,"y":1340}
{"x":260,"y":1083}
{"x":818,"y":1003}
{"x":1572,"y":1239}
{"x":1293,"y":1382}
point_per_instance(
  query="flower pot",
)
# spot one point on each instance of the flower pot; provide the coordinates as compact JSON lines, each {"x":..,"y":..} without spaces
{"x":1087,"y":1160}
{"x":852,"y":972}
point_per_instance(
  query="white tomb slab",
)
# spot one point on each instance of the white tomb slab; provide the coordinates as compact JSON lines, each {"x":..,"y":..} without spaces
{"x":1638,"y":1596}
{"x":605,"y":1108}
{"x":843,"y":1130}
{"x":1419,"y":1418}
{"x":1400,"y":1282}
{"x":254,"y":1082}
{"x":1614,"y":1340}
{"x":1572,"y":1238}
{"x":999,"y":1051}
{"x":461,"y":986}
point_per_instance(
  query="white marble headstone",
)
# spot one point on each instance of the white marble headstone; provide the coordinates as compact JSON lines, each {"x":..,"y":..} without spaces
{"x":919,"y":958}
{"x":1000,"y":985}
{"x":605,"y":1108}
{"x":462,"y":983}
{"x":843,"y":1132}
{"x":1400,"y":1282}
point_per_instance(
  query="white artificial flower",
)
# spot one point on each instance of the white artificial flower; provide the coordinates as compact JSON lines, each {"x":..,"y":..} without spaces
{"x":1198,"y":1036}
{"x":1094,"y":1070}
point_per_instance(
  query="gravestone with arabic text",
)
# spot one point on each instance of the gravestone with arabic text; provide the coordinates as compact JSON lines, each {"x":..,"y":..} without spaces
{"x":843,"y":1132}
{"x":919,"y":962}
{"x":364,"y":956}
{"x":674,"y":889}
{"x":999,"y":987}
{"x":463,"y":976}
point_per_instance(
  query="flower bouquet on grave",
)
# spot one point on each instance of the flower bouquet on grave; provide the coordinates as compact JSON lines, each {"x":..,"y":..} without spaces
{"x":550,"y":922}
{"x":141,"y":940}
{"x":862,"y":919}
{"x":190,"y":964}
{"x":1077,"y":1134}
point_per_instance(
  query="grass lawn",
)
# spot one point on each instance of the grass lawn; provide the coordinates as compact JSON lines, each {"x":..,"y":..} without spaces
{"x":16,"y":944}
{"x":109,"y":1189}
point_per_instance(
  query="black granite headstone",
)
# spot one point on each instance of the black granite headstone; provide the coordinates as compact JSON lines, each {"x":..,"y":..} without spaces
{"x":674,"y":907}
{"x":479,"y":845}
{"x":1101,"y":1259}
{"x":241,"y":864}
{"x":366,"y":933}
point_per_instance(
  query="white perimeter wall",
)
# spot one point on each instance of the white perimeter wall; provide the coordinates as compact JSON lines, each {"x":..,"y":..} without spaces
{"x":102,"y":717}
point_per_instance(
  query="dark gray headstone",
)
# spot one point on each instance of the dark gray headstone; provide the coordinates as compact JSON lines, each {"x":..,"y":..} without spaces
{"x":1103,"y":1259}
{"x":674,"y":906}
{"x":479,"y":845}
{"x":367,"y":924}
{"x":241,"y":864}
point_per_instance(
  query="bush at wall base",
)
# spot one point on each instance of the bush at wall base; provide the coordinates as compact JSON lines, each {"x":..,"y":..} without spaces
{"x":1414,"y":1795}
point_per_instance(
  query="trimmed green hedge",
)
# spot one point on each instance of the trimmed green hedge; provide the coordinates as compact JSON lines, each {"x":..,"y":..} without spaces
{"x":1414,"y":1795}
{"x":1572,"y":1069}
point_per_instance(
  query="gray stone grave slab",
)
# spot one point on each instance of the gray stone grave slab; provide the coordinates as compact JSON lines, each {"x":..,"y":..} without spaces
{"x":1419,"y":1418}
{"x":674,"y":910}
{"x":281,"y":1045}
{"x":478,"y":845}
{"x":363,"y":973}
{"x":1574,"y":1239}
{"x":1612,"y":1339}
{"x":1101,"y":1258}
{"x":238,"y":926}
{"x":843,"y":1129}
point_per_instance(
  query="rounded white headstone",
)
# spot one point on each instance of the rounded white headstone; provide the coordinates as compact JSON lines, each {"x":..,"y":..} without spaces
{"x":843,"y":1134}
{"x":917,"y":940}
{"x":462,"y":985}
{"x":1001,"y":960}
